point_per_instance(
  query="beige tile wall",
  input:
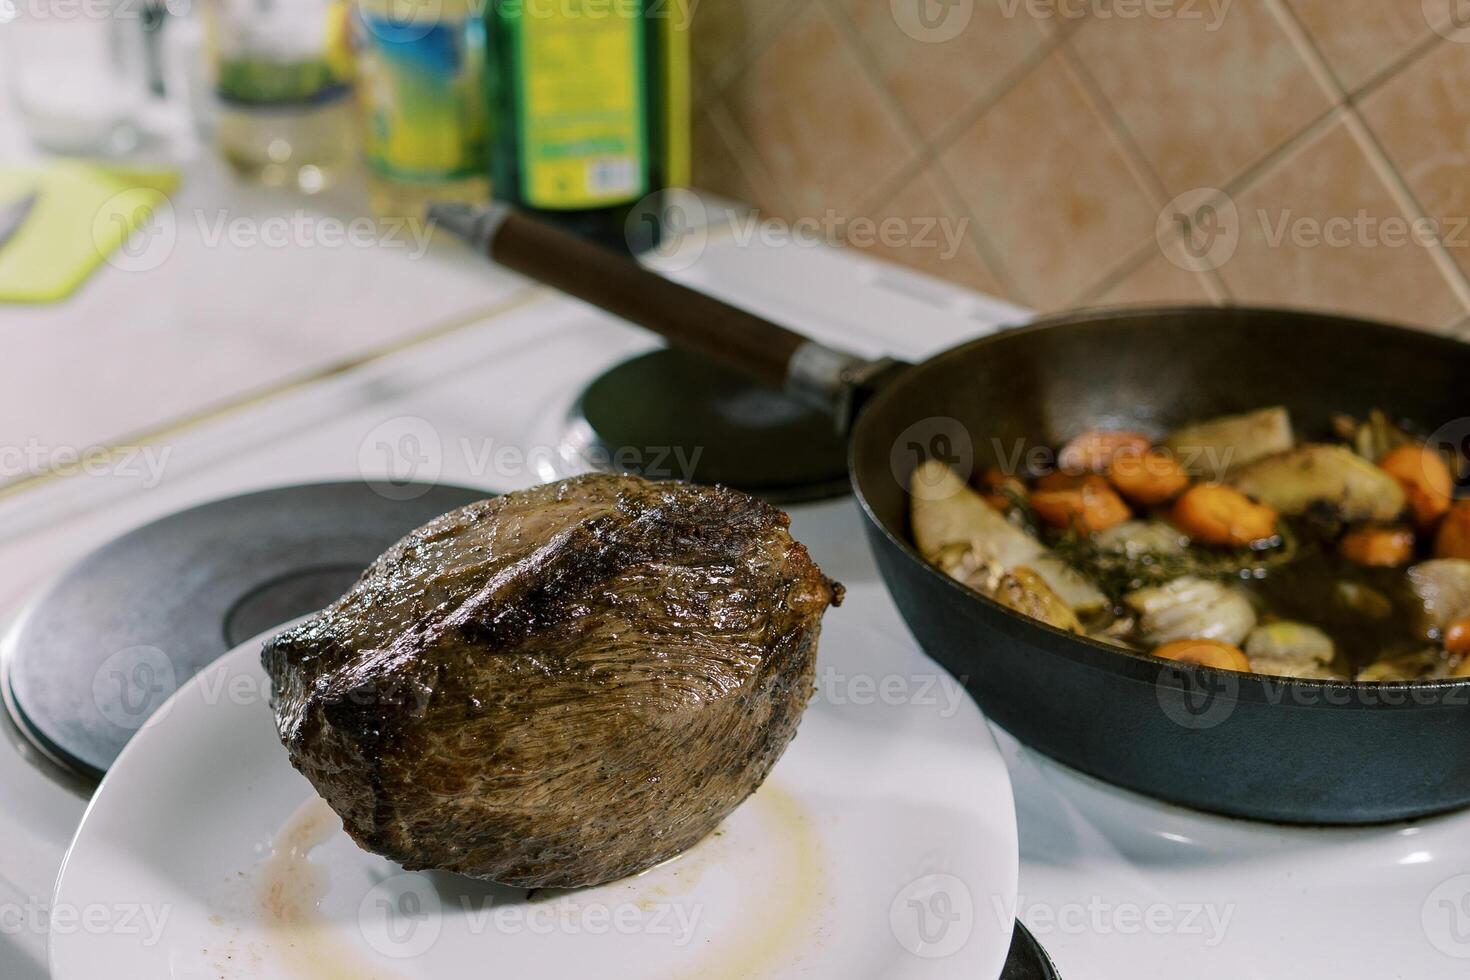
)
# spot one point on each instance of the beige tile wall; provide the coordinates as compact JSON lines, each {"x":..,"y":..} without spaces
{"x":1078,"y":152}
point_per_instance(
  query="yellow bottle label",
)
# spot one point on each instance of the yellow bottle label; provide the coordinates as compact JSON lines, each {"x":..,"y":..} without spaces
{"x":583,"y":130}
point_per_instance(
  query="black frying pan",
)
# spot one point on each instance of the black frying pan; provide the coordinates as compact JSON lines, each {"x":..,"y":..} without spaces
{"x":1239,"y":744}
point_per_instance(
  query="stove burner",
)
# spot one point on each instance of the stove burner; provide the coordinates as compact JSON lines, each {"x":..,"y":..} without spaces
{"x":670,"y":414}
{"x":121,"y":630}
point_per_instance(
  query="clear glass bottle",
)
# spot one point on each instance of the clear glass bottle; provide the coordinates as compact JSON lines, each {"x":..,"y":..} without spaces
{"x":76,"y":76}
{"x":283,"y":82}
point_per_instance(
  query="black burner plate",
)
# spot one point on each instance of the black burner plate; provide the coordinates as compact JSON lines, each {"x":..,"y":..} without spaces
{"x":1027,"y":960}
{"x":659,"y":413}
{"x":127,"y":625}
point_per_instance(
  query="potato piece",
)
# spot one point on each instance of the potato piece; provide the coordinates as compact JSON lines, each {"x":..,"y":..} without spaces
{"x":1222,"y":516}
{"x":1075,"y":590}
{"x":1442,"y":587}
{"x":1192,"y":609}
{"x":946,"y":512}
{"x":1336,"y":476}
{"x":1453,"y":540}
{"x":1378,"y":547}
{"x":1205,"y":653}
{"x":1426,"y":480}
{"x":1025,"y":591}
{"x":1288,"y":649}
{"x":1148,"y":479}
{"x":1212,"y":449}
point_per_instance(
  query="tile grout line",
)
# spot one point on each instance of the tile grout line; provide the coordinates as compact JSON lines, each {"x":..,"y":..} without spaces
{"x":1143,"y":172}
{"x":989,"y":253}
{"x":1419,"y":49}
{"x":1408,"y":202}
{"x":919,"y":160}
{"x":1086,"y":83}
{"x":737,"y":62}
{"x":1307,"y":50}
{"x":747,"y":160}
{"x":949,"y":133}
{"x":924,"y":160}
{"x":1367,"y":141}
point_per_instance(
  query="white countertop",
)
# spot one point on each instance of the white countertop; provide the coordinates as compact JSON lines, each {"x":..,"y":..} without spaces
{"x":242,"y":366}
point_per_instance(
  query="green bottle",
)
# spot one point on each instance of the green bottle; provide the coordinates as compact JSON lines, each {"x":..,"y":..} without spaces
{"x":590,"y":101}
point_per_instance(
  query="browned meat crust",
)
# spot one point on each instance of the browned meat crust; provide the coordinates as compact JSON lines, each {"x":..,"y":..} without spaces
{"x":557,"y":687}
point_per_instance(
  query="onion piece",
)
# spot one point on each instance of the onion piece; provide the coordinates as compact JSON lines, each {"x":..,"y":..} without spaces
{"x":1442,"y":587}
{"x":1289,"y":649}
{"x":1192,"y":609}
{"x":1136,"y":539}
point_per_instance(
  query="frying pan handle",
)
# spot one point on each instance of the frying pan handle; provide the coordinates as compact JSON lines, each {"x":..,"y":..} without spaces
{"x":768,"y":353}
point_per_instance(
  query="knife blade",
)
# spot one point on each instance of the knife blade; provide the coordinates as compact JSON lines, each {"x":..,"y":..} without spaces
{"x":13,"y":216}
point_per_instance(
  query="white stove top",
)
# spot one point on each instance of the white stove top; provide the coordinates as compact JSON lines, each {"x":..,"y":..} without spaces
{"x":1114,"y":885}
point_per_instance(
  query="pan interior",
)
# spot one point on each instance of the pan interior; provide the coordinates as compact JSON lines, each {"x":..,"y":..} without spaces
{"x":994,"y":400}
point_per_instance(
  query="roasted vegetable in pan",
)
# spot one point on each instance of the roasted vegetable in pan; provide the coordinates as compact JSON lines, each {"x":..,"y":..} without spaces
{"x":1205,"y":653}
{"x":1442,"y":587}
{"x":1378,"y":547}
{"x":1289,"y":649}
{"x":1425,"y":479}
{"x":954,"y":523}
{"x":1212,"y":449}
{"x":1192,"y":609}
{"x":1332,"y":477}
{"x":1228,"y":545}
{"x":1222,"y":516}
{"x":1453,"y":540}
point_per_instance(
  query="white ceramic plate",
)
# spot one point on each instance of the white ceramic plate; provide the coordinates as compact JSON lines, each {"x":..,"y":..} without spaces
{"x":883,"y":845}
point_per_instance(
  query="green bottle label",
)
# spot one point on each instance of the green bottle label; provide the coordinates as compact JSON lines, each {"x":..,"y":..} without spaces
{"x":582,"y":116}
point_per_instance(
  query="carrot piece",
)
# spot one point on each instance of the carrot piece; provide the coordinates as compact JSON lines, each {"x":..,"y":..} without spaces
{"x":1426,"y":480}
{"x":1378,"y":547}
{"x":1206,"y":653}
{"x":1062,"y":480}
{"x":1093,"y":452}
{"x":1085,"y":504}
{"x":1000,"y":489}
{"x":1457,"y":637}
{"x":1454,"y":533}
{"x":1150,"y":478}
{"x":1212,"y":513}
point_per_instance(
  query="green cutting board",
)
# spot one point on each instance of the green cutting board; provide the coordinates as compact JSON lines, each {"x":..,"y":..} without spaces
{"x":84,"y":213}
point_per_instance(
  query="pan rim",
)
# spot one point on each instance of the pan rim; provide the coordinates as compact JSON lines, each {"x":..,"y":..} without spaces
{"x":1105,"y":656}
